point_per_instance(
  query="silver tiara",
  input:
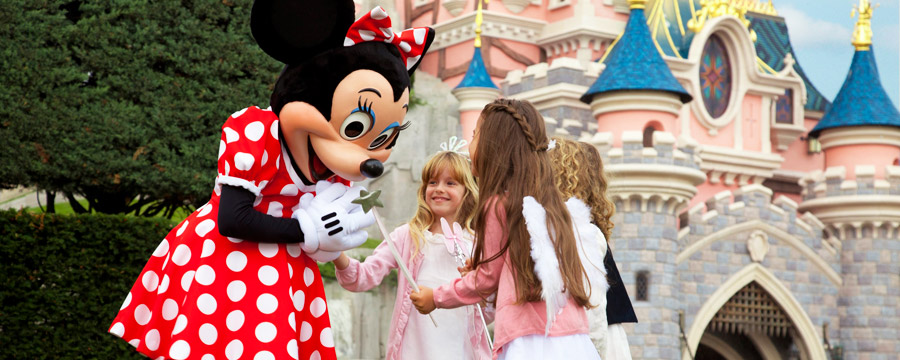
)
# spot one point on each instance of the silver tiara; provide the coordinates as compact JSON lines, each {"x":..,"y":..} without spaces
{"x":456,"y":145}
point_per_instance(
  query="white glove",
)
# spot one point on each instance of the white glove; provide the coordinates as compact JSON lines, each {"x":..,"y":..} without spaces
{"x":323,"y":256}
{"x":330,"y":221}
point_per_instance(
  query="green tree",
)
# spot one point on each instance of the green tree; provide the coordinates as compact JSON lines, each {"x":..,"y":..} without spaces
{"x":122,"y":101}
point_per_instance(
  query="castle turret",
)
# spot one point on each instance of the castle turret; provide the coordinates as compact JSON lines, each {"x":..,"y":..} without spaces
{"x":476,"y":88}
{"x":858,"y":198}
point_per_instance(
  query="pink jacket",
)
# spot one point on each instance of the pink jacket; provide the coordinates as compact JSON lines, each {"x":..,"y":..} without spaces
{"x":511,"y":320}
{"x":369,"y":274}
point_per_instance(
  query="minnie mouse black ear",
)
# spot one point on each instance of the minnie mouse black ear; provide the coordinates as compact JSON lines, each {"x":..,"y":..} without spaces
{"x":413,"y":62}
{"x":292,"y":31}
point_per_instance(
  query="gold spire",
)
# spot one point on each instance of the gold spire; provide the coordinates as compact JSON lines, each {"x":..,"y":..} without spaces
{"x":862,"y":34}
{"x":715,"y":8}
{"x":637,"y":4}
{"x":479,"y":18}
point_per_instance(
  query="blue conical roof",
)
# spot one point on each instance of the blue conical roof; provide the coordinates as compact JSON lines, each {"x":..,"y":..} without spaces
{"x":634,"y":63}
{"x":477,"y":75}
{"x":861,"y":100}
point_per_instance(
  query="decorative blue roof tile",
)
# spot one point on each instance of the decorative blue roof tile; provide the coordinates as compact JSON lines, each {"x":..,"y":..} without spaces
{"x":477,"y":75}
{"x":634,"y":63}
{"x":861,"y":100}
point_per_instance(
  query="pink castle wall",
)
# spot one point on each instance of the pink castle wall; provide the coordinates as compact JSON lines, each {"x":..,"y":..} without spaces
{"x":797,"y":156}
{"x":849,"y":156}
{"x":618,"y":122}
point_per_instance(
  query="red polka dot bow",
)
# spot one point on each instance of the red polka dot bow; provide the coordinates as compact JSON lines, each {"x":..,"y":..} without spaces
{"x":376,"y":26}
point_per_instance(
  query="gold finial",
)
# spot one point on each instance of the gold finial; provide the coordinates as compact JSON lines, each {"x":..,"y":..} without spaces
{"x":637,"y":4}
{"x":862,"y":34}
{"x":716,"y":8}
{"x":479,"y":18}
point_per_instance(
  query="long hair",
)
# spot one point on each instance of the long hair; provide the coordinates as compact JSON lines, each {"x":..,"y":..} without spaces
{"x":579,"y":173}
{"x":511,"y":162}
{"x":460,"y":171}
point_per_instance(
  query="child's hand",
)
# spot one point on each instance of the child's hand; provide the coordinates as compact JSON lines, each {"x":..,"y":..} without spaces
{"x":423,"y":300}
{"x":463,"y":270}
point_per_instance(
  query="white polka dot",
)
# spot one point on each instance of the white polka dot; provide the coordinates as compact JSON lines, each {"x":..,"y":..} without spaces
{"x":236,"y":290}
{"x":234,"y":240}
{"x":268,"y":275}
{"x":315,"y":356}
{"x":205,"y":275}
{"x":265,"y":332}
{"x":265,"y":158}
{"x":221,"y":148}
{"x":236,"y":261}
{"x":208,"y":334}
{"x":163,"y":247}
{"x":231,"y":135}
{"x":268,"y":249}
{"x":405,"y":46}
{"x":181,"y":255}
{"x":134,"y":342}
{"x":182,"y":228}
{"x":207,"y":304}
{"x":243,"y":161}
{"x":180,"y":324}
{"x":299,"y":300}
{"x":127,"y":301}
{"x":166,"y":262}
{"x":227,"y":168}
{"x":234,"y":350}
{"x":388,"y":33}
{"x":317,"y":307}
{"x":238,"y":113}
{"x":326,"y":337}
{"x":273,"y":129}
{"x":204,"y":227}
{"x":170,"y":309}
{"x":164,"y":285}
{"x":204,"y":210}
{"x":412,"y":61}
{"x":187,"y":279}
{"x":150,"y":280}
{"x":119,"y":330}
{"x":347,"y":42}
{"x":308,"y":276}
{"x":180,"y":350}
{"x":160,"y":358}
{"x":267,"y":303}
{"x":278,"y":162}
{"x":235,"y":320}
{"x":378,"y":13}
{"x":294,"y":250}
{"x":367,"y":35}
{"x":292,"y":321}
{"x":293,"y":349}
{"x":264,"y":355}
{"x":152,"y":340}
{"x":254,"y":131}
{"x":275,"y":209}
{"x":142,"y":314}
{"x":305,"y":331}
{"x":290,"y":273}
{"x":290,"y":190}
{"x":209,"y":247}
{"x":419,"y":35}
{"x":208,"y":357}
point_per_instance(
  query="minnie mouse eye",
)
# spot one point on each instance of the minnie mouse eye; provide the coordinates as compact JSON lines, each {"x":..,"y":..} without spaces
{"x":383,"y":138}
{"x":356,"y":125}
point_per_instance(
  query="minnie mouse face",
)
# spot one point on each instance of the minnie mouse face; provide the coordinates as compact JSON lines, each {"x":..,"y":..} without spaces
{"x":364,"y":126}
{"x":344,"y":93}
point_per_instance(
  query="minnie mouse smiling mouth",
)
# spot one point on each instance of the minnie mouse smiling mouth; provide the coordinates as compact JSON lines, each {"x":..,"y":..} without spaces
{"x":317,"y":169}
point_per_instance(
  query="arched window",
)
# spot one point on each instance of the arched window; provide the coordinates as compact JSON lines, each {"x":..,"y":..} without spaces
{"x":715,"y":77}
{"x":642,"y":285}
{"x":648,"y":136}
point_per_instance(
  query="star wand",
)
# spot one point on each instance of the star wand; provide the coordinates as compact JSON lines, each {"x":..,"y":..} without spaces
{"x":369,"y":200}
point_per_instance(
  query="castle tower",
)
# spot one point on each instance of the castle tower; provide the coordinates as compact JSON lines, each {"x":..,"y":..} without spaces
{"x":651,"y":180}
{"x":476,"y":88}
{"x":858,"y":198}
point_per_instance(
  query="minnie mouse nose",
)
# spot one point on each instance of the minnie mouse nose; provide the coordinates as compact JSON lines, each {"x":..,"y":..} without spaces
{"x":371,"y":168}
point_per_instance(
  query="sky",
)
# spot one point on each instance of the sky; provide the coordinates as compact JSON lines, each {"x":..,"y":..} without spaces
{"x":821,"y":32}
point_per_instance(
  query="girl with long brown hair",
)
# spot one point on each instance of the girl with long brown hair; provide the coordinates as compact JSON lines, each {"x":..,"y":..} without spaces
{"x":518,"y":203}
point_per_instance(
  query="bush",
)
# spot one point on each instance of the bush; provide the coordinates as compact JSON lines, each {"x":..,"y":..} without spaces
{"x":64,"y":279}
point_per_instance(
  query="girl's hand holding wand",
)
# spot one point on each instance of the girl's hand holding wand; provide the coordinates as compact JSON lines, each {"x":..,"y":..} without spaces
{"x":423,"y":300}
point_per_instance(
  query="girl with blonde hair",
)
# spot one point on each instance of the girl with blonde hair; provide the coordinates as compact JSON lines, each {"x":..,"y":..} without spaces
{"x":448,"y":191}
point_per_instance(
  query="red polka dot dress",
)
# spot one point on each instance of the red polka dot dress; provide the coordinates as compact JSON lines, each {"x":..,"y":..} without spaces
{"x":206,"y":296}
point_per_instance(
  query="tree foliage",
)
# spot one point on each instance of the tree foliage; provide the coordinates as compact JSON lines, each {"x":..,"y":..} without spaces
{"x":122,"y":101}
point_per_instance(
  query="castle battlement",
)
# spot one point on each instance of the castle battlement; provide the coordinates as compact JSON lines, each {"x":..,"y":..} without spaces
{"x":835,"y":182}
{"x":666,"y":149}
{"x":564,"y":70}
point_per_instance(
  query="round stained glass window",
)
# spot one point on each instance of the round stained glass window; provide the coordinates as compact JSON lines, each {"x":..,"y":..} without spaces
{"x":715,"y":77}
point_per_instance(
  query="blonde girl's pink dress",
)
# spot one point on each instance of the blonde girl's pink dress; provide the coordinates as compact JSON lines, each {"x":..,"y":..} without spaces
{"x":205,"y":296}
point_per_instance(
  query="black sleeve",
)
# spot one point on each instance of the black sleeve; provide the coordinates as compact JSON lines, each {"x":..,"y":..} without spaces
{"x":238,"y":219}
{"x":618,"y":305}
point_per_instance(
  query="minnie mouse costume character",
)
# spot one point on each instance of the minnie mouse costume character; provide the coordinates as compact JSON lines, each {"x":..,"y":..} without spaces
{"x":238,"y":278}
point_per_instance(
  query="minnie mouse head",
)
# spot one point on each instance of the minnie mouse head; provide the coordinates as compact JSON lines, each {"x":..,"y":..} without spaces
{"x":344,"y":92}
